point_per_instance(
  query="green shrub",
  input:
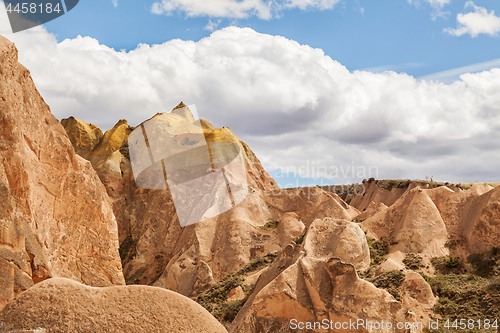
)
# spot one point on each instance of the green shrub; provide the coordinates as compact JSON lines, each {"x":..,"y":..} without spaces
{"x":448,"y":265}
{"x":378,"y":251}
{"x":215,"y":298}
{"x":390,"y":281}
{"x":412,"y":261}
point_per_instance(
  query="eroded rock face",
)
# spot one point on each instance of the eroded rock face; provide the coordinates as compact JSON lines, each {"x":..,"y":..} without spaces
{"x":63,"y":305}
{"x":472,"y":216}
{"x":155,"y":249}
{"x":55,"y":215}
{"x":312,"y":284}
{"x":304,"y":283}
{"x":412,"y":224}
{"x":84,"y":137}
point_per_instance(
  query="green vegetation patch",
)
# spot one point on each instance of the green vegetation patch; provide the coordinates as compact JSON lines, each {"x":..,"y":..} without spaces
{"x":467,"y":295}
{"x":486,"y":264}
{"x":215,"y":299}
{"x":270,"y":226}
{"x":452,"y":243}
{"x":389,"y":184}
{"x":448,"y":264}
{"x":464,"y":187}
{"x":390,"y":281}
{"x":412,"y":261}
{"x":379,"y":249}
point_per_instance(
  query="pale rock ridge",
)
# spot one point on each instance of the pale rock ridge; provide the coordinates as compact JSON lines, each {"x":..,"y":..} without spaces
{"x":413,"y":223}
{"x":472,"y":216}
{"x":55,"y":215}
{"x":64,"y":305}
{"x":373,"y":193}
{"x":372,"y":209}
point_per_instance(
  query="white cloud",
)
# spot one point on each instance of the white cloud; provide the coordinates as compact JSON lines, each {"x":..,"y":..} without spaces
{"x":479,"y":21}
{"x":291,"y":103}
{"x":212,"y":24}
{"x":308,"y":4}
{"x":437,"y":4}
{"x":237,"y":9}
{"x":437,"y":7}
{"x":215,"y":8}
{"x":115,"y":3}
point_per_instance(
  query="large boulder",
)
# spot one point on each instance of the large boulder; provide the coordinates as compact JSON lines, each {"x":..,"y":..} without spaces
{"x":56,"y":219}
{"x":63,"y":305}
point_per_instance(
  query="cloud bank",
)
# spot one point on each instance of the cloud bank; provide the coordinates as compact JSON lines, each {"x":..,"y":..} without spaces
{"x":291,"y":103}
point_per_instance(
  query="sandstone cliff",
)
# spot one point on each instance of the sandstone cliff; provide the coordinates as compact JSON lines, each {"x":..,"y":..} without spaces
{"x":56,"y":219}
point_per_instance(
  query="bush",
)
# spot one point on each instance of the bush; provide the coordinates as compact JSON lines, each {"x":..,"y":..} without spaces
{"x":448,"y":265}
{"x":412,"y":261}
{"x":390,"y":281}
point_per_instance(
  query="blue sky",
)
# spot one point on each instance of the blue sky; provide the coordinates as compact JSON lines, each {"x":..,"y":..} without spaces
{"x":324,"y":91}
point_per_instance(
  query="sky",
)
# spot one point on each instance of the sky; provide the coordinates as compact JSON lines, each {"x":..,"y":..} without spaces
{"x":323,"y":91}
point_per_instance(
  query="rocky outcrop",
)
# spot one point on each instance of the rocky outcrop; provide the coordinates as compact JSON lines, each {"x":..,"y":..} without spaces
{"x":63,"y":305}
{"x":306,"y":228}
{"x":56,"y":219}
{"x":412,"y":224}
{"x":387,"y":192}
{"x":372,"y":209}
{"x":84,"y":137}
{"x":108,"y":154}
{"x":472,"y":217}
{"x":318,"y":283}
{"x":156,"y":249}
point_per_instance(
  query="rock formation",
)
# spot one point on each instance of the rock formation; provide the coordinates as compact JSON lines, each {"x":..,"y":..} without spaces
{"x":318,"y":251}
{"x":318,"y":282}
{"x":56,"y":219}
{"x":64,"y":305}
{"x":155,"y":249}
{"x":279,"y":255}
